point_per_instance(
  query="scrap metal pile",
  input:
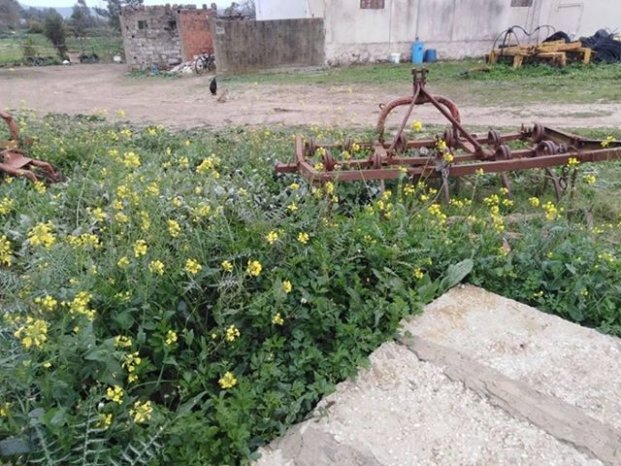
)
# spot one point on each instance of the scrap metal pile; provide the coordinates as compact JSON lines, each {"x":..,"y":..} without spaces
{"x":14,"y":161}
{"x":455,"y":153}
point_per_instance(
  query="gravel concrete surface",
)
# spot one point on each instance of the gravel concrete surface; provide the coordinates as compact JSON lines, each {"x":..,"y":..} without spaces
{"x":476,"y":380}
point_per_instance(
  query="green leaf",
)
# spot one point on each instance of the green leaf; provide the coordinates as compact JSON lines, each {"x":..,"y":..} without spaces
{"x":13,"y":446}
{"x":456,"y":273}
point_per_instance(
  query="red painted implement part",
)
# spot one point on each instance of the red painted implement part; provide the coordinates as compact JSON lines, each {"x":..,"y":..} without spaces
{"x":14,"y":161}
{"x":465,"y":153}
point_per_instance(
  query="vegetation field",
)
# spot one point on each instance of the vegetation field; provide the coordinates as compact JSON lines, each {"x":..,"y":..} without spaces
{"x":104,"y":44}
{"x":174,"y":302}
{"x":575,"y":83}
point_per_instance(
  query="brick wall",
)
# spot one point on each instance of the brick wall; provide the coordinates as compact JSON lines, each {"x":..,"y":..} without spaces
{"x":195,"y":34}
{"x":255,"y":45}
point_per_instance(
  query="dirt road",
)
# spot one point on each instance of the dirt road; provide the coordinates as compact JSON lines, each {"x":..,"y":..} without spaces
{"x":186,"y":102}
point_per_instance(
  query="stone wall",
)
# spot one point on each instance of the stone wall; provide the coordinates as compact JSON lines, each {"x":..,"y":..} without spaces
{"x":256,"y":45}
{"x":164,"y":35}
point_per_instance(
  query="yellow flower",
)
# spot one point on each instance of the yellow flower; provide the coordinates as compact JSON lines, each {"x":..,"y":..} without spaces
{"x":226,"y":266}
{"x":141,"y":412}
{"x":202,"y":210}
{"x":227,"y":381}
{"x":184,"y":162}
{"x":254,"y":268}
{"x":436,"y":211}
{"x":590,"y":179}
{"x":176,"y":201}
{"x":131,"y":160}
{"x":417,"y":126}
{"x":105,"y":420}
{"x":277,"y":319}
{"x":156,"y":267}
{"x":173,"y":228}
{"x":550,"y":211}
{"x":293,"y":207}
{"x":448,"y":157}
{"x":41,"y":235}
{"x":40,"y":187}
{"x":6,"y":205}
{"x":441,"y":145}
{"x":6,"y":257}
{"x":534,"y":201}
{"x":33,"y":333}
{"x":4,"y":410}
{"x":303,"y":237}
{"x":153,"y":189}
{"x":287,"y":286}
{"x":121,"y":217}
{"x":140,"y":248}
{"x":355,"y":147}
{"x":192,"y":266}
{"x":123,"y":262}
{"x":205,"y":166}
{"x":171,"y":337}
{"x":232,"y":333}
{"x":573,"y":162}
{"x":606,"y":142}
{"x":48,"y":303}
{"x":115,"y":394}
{"x":272,"y":237}
{"x":294,"y":186}
{"x":121,"y":341}
{"x":131,"y":361}
{"x":418,"y":273}
{"x":329,"y":187}
{"x":79,"y":305}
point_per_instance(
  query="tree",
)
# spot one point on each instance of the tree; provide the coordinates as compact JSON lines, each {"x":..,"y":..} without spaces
{"x":81,"y":18}
{"x":54,"y":30}
{"x":9,"y":15}
{"x":113,"y":11}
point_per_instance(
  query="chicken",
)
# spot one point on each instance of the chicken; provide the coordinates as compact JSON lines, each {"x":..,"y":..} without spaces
{"x":213,"y":86}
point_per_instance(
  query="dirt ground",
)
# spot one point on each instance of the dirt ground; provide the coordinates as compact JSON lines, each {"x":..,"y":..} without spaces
{"x":187,"y":103}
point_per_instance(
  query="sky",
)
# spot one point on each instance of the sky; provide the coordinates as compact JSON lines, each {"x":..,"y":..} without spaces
{"x":101,"y":3}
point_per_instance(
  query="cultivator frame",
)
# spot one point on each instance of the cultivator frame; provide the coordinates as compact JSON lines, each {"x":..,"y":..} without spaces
{"x":469,"y":153}
{"x":14,"y":161}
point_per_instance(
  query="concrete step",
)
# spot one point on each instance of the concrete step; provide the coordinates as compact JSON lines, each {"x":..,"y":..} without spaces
{"x":476,"y":379}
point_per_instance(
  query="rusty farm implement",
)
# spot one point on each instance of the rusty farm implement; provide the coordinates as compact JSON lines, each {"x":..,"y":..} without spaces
{"x":455,"y":153}
{"x":15,"y":162}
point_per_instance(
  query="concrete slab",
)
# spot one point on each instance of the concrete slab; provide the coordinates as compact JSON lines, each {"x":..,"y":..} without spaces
{"x":477,"y":379}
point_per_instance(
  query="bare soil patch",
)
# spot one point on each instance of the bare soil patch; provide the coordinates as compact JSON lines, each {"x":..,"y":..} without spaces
{"x":187,"y":103}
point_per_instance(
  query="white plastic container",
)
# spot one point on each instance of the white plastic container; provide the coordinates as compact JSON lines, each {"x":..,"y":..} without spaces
{"x":395,"y":57}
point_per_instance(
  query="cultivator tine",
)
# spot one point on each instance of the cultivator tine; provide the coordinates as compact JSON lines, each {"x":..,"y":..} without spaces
{"x":14,"y":161}
{"x":455,"y":153}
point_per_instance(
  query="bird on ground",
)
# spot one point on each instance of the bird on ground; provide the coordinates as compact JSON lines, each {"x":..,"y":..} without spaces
{"x":213,"y":86}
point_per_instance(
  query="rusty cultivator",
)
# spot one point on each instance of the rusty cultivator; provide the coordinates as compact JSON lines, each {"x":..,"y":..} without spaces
{"x":455,"y":153}
{"x":14,"y":161}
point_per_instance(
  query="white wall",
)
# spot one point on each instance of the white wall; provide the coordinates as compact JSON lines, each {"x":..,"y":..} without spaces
{"x":456,"y":28}
{"x":583,"y":18}
{"x":282,"y":9}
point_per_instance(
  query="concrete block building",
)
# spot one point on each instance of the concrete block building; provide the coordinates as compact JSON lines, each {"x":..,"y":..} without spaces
{"x":165,"y":35}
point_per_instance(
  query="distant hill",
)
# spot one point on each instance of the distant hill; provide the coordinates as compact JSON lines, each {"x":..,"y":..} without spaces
{"x":64,"y":11}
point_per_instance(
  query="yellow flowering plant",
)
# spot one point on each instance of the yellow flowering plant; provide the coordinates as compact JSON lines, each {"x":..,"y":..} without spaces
{"x":180,"y":299}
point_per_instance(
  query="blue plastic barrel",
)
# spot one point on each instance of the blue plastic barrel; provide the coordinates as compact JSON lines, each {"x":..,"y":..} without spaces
{"x":418,"y":48}
{"x":430,"y":55}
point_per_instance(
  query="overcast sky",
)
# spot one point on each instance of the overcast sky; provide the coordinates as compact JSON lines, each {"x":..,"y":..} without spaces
{"x":101,"y":3}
